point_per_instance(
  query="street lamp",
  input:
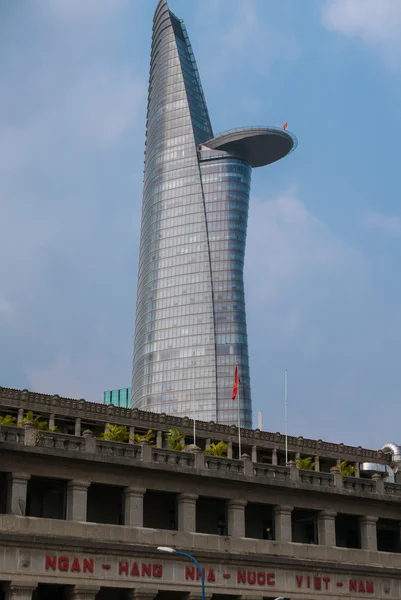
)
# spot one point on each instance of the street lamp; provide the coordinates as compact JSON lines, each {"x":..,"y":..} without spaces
{"x":179,"y":553}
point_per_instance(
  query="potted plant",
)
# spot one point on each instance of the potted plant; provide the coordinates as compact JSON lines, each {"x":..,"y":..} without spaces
{"x":174,"y":440}
{"x":306,"y":464}
{"x":219,"y":449}
{"x":346,"y":469}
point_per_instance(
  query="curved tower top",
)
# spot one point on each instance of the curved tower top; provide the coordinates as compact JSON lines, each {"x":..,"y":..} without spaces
{"x":190,"y":329}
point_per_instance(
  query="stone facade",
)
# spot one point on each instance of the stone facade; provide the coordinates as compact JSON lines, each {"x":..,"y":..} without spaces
{"x":87,"y":515}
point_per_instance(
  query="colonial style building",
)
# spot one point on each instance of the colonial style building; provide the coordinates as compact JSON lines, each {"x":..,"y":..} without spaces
{"x":83,"y":517}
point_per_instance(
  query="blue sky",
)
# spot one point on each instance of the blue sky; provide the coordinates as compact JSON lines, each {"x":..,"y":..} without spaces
{"x":324,"y":240}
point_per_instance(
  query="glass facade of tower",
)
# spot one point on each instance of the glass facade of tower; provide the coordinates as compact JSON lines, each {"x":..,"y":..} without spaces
{"x":121,"y":397}
{"x":190,"y":318}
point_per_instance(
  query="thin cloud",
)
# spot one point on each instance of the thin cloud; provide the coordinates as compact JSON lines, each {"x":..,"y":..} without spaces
{"x":376,"y":22}
{"x":389,"y":224}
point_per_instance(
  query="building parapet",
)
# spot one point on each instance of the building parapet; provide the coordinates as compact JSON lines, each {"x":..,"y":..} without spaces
{"x":87,"y":447}
{"x":91,"y":412}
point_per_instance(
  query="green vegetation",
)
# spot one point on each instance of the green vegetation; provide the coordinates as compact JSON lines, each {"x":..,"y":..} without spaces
{"x":174,"y":440}
{"x":8,"y":421}
{"x":219,"y":449}
{"x":39,"y":425}
{"x":306,"y":464}
{"x":149,"y":436}
{"x":115,"y":433}
{"x":346,"y":469}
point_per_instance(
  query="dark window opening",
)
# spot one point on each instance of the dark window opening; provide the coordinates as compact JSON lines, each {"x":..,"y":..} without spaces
{"x":3,"y":492}
{"x":160,"y":510}
{"x":348,"y":532}
{"x":105,"y":504}
{"x":108,"y":593}
{"x":211,"y":516}
{"x":281,"y":458}
{"x":326,"y":465}
{"x":46,"y":591}
{"x":259,"y":521}
{"x":388,"y":535}
{"x":46,"y":498}
{"x":304,"y":526}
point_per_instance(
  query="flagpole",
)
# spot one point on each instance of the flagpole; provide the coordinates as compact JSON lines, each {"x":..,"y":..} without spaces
{"x":239,"y":418}
{"x":286,"y":416}
{"x":193,"y":395}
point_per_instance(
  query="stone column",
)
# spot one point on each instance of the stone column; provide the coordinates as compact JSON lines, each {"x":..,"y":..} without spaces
{"x":207,"y":443}
{"x":316,"y":460}
{"x":133,"y":506}
{"x":52,"y":420}
{"x":78,"y":426}
{"x":20,"y":590}
{"x":187,"y":512}
{"x":274,"y":457}
{"x":326,"y":525}
{"x":229,"y":450}
{"x":142,"y":594}
{"x":254,"y":455}
{"x":131,"y":435}
{"x":357,"y":470}
{"x":282,"y":523}
{"x":368,"y":533}
{"x":198,"y":595}
{"x":236,"y":517}
{"x":77,"y":497}
{"x":20,"y":416}
{"x":16,"y":497}
{"x":84,"y":592}
{"x":159,"y":439}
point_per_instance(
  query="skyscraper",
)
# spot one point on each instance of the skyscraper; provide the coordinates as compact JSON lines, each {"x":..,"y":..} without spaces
{"x":190,"y":318}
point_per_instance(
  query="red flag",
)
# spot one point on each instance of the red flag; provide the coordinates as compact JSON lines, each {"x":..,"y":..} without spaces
{"x":285,"y":126}
{"x":236,"y":382}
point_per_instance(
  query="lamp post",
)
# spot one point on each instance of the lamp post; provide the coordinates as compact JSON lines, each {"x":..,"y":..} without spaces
{"x":179,"y":553}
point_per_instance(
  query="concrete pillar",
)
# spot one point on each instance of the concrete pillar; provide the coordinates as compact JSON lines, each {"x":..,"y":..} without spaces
{"x":207,"y":443}
{"x":357,"y":471}
{"x":84,"y":592}
{"x":131,"y":435}
{"x":326,"y":526}
{"x":187,"y":512}
{"x":147,"y":454}
{"x":20,"y":416}
{"x":316,"y":460}
{"x":282,"y":523}
{"x":338,"y":462}
{"x":52,"y":421}
{"x":133,"y":506}
{"x":254,"y":455}
{"x":90,"y":442}
{"x":378,"y":479}
{"x":274,"y":457}
{"x":78,"y":426}
{"x":20,"y":590}
{"x":337,"y":477}
{"x":294,"y":471}
{"x":77,"y":499}
{"x":229,"y":450}
{"x":368,"y":533}
{"x":16,"y":497}
{"x":159,"y":439}
{"x":236,"y":517}
{"x":142,"y":594}
{"x":29,"y":434}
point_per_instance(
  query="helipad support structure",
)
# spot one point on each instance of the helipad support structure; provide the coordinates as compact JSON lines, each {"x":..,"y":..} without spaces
{"x":190,"y":318}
